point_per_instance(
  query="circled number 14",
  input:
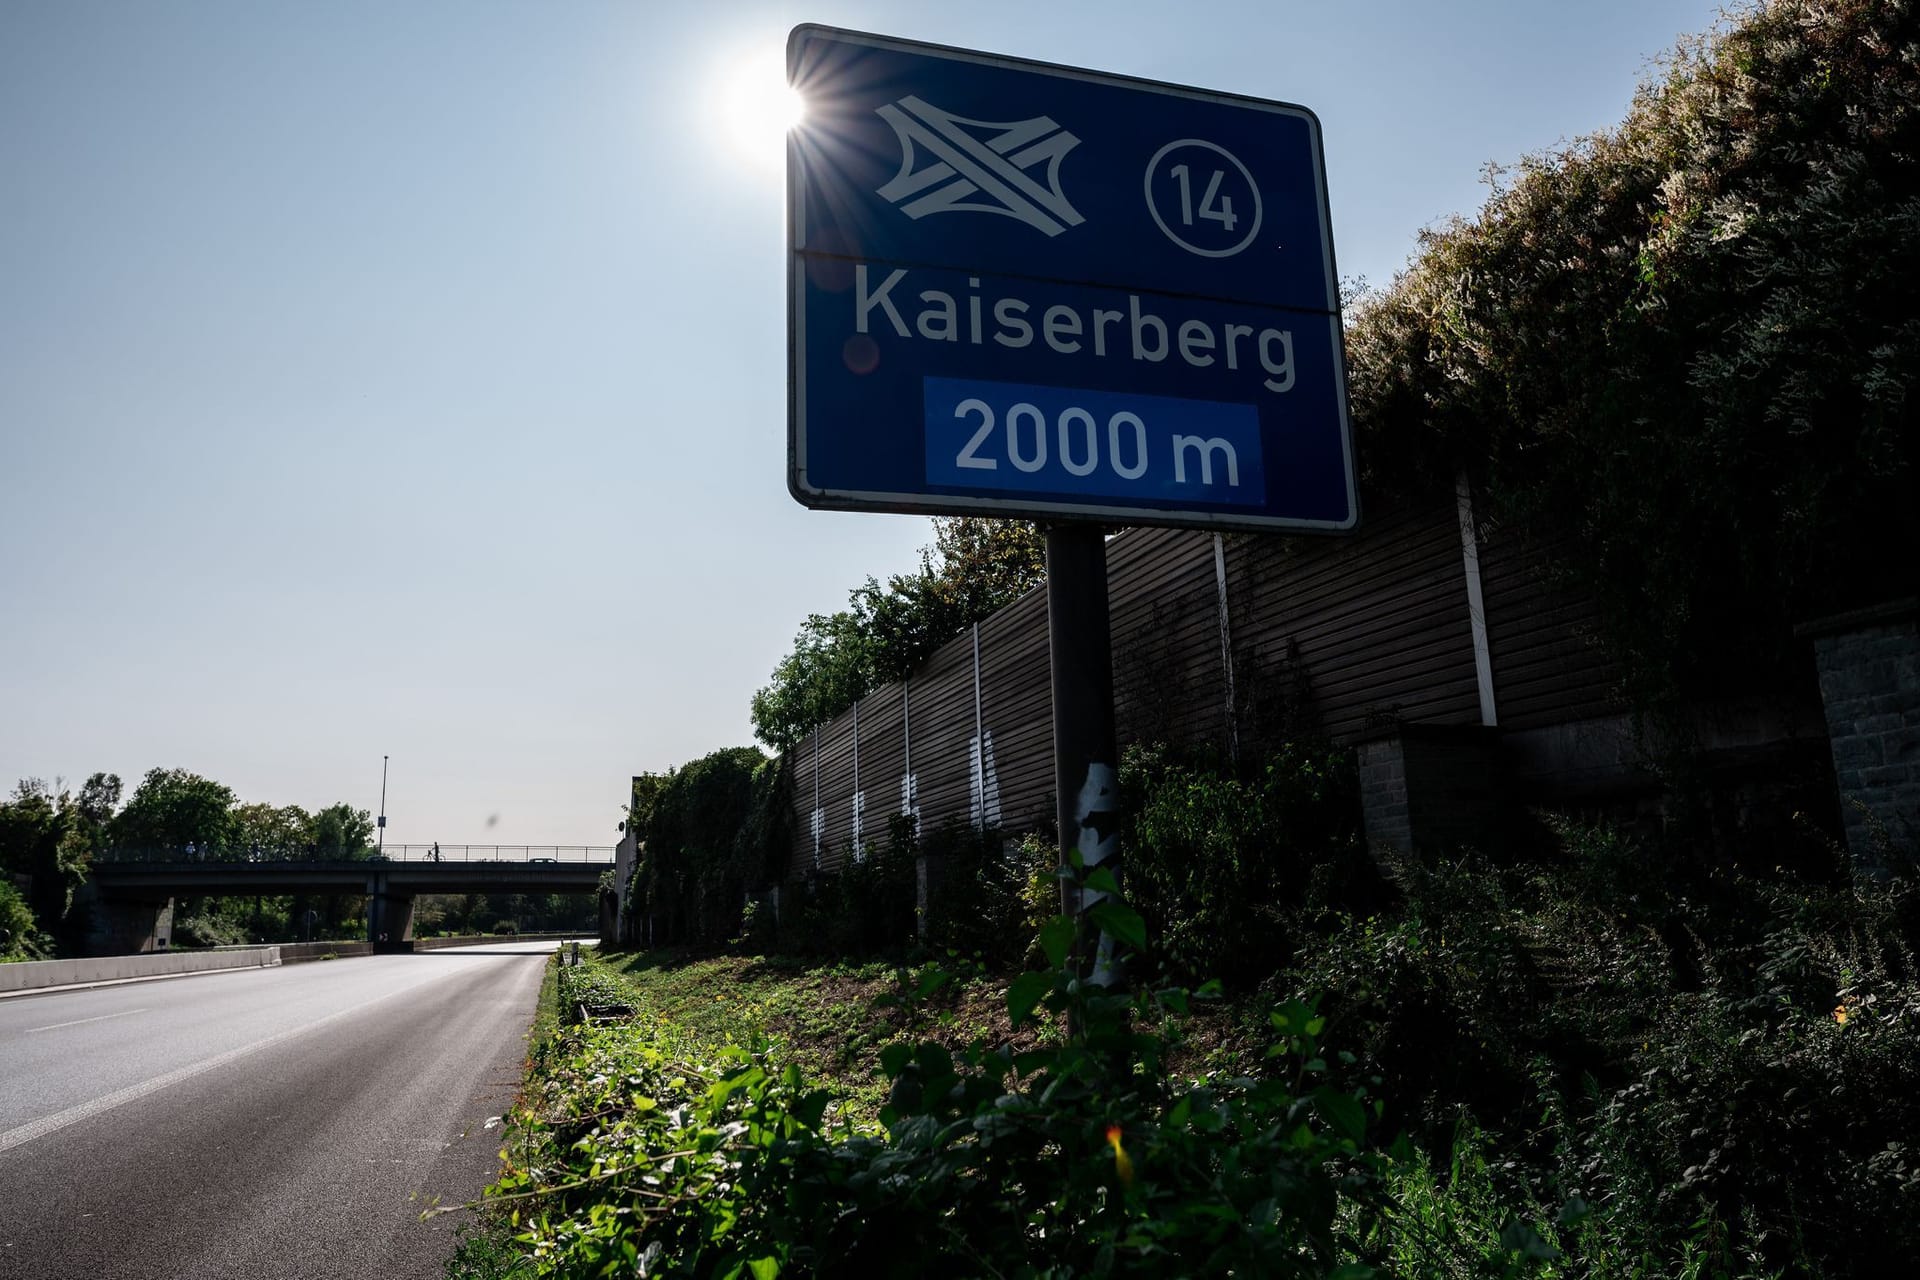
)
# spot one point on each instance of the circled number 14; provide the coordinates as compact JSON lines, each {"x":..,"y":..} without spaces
{"x":1213,"y":206}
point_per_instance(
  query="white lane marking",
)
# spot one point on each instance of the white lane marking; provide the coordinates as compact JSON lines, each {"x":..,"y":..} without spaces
{"x":121,"y":1097}
{"x":82,"y":1021}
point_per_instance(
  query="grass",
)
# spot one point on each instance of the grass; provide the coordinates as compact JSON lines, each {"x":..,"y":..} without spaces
{"x":832,"y":1018}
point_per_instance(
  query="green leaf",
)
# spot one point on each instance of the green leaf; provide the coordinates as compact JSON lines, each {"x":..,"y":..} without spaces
{"x":1056,"y":939}
{"x":764,"y":1268}
{"x":1121,"y":922}
{"x":1101,"y":880}
{"x":895,"y":1057}
{"x":1343,"y":1111}
{"x":1519,"y":1237}
{"x":1027,"y":991}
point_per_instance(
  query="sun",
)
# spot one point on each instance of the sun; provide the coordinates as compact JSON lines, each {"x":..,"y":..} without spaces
{"x":758,"y":107}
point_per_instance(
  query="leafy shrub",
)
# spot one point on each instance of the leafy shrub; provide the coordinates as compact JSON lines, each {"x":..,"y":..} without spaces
{"x":1681,"y":353}
{"x":991,"y":894}
{"x":865,"y":907}
{"x":1228,"y":870}
{"x":705,"y":845}
{"x":1727,"y":1069}
{"x":20,"y":936}
{"x":1079,"y":1157}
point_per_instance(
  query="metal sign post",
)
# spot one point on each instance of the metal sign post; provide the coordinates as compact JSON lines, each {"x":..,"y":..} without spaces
{"x":1085,"y":754}
{"x":1019,"y":289}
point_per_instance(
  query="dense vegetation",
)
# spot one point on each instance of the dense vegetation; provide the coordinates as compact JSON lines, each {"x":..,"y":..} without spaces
{"x":1588,"y":1052}
{"x":711,"y":831}
{"x":1682,"y":354}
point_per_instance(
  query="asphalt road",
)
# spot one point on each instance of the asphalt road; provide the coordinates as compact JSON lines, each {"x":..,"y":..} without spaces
{"x":259,"y":1124}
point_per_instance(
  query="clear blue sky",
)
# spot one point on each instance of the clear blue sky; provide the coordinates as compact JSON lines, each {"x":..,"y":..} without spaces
{"x":409,"y":379}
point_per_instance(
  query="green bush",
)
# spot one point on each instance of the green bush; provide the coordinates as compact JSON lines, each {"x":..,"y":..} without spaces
{"x":864,"y":907}
{"x":1728,"y":1069}
{"x":1081,"y":1156}
{"x":992,"y":894}
{"x":1232,"y":871}
{"x":706,"y":842}
{"x":20,"y":936}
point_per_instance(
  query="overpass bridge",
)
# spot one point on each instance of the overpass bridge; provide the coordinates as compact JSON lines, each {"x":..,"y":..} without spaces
{"x":134,"y":895}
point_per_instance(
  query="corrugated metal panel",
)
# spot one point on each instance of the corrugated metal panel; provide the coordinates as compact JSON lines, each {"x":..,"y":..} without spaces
{"x":1374,"y":628}
{"x":1547,"y":668}
{"x":1017,"y":705}
{"x":1378,"y":622}
{"x":1169,"y":682}
{"x":881,"y":761}
{"x":942,"y":730}
{"x":808,"y":786}
{"x":836,"y":789}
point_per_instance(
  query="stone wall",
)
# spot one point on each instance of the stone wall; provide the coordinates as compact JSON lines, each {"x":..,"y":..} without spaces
{"x":1869,"y":666}
{"x":1431,"y":787}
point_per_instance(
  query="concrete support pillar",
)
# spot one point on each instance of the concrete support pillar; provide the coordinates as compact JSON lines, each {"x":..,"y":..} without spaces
{"x":1869,"y":667}
{"x":1384,"y":814}
{"x":390,"y":920}
{"x":1432,"y":786}
{"x":929,"y":875}
{"x":609,"y":919}
{"x":124,"y":928}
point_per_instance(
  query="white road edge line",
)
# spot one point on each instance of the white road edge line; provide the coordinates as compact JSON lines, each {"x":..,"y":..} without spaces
{"x":127,"y":1013}
{"x":119,"y":1098}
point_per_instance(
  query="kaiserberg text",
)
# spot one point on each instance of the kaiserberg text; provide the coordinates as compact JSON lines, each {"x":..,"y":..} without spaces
{"x":1141,"y":335}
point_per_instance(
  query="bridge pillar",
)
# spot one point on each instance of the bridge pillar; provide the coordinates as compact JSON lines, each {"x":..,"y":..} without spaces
{"x":121,"y":927}
{"x":390,"y":920}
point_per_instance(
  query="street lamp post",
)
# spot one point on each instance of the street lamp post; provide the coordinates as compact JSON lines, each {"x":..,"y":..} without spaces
{"x":380,"y":839}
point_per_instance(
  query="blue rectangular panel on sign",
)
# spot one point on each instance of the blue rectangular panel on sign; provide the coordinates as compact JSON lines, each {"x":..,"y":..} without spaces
{"x":1010,"y":438}
{"x":975,"y":237}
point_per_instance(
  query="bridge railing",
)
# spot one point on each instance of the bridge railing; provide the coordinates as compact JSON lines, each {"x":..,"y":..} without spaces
{"x":518,"y":853}
{"x":499,"y":853}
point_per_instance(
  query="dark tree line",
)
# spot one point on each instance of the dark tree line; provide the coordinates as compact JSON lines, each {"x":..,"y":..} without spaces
{"x":50,"y":835}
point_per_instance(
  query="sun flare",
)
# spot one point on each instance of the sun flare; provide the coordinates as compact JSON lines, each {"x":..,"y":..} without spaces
{"x":758,"y":107}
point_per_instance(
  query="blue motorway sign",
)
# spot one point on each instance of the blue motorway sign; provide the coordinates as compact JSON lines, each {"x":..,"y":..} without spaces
{"x":1022,"y":289}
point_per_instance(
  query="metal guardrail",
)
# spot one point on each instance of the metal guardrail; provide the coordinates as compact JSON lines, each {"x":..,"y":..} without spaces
{"x":516,"y":853}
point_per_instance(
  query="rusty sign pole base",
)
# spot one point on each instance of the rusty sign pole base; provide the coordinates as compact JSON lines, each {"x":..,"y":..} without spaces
{"x":1085,"y":760}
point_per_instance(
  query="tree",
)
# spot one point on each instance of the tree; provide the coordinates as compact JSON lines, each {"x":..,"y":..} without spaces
{"x":341,"y":831}
{"x":695,"y":868}
{"x":20,"y":936}
{"x":172,"y":812}
{"x":886,"y":632}
{"x":831,"y":667}
{"x":1684,"y":354}
{"x":270,"y":832}
{"x":47,"y":841}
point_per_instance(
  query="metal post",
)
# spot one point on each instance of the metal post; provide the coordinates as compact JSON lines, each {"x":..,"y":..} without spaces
{"x":380,"y":839}
{"x":1226,"y":649}
{"x":1085,"y":758}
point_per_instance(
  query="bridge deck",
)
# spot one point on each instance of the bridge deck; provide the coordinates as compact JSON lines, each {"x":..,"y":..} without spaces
{"x":148,"y":879}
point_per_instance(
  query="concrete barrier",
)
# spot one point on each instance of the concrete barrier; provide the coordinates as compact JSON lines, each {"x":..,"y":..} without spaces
{"x":30,"y":974}
{"x":301,"y":952}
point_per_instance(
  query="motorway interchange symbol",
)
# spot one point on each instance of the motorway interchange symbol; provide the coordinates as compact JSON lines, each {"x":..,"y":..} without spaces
{"x":995,"y":170}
